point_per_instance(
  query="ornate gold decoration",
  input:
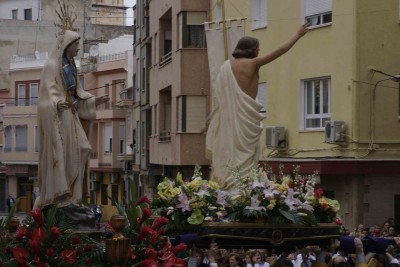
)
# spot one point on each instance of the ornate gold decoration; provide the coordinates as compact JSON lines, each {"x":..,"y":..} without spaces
{"x":67,"y":18}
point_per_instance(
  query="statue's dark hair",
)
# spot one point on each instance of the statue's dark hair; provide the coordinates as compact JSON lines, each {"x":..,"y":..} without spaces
{"x":246,"y":48}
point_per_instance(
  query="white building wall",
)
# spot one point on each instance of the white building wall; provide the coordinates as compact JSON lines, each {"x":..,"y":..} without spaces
{"x":6,"y":7}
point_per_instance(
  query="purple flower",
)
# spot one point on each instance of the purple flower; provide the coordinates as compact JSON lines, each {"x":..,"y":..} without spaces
{"x":255,"y":204}
{"x":291,"y":201}
{"x":184,"y":204}
{"x":221,"y":198}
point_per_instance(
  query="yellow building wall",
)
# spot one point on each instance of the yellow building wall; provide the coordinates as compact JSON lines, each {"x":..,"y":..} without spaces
{"x":362,"y":34}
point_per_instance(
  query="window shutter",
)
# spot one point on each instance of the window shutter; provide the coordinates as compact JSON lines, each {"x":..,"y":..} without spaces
{"x":313,"y":7}
{"x":259,"y":14}
{"x":196,"y":113}
{"x":7,"y":138}
{"x":21,"y":134}
{"x":108,"y":138}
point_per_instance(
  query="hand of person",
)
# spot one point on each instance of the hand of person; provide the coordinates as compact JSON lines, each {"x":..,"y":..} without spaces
{"x":63,"y":105}
{"x":102,"y":99}
{"x":358,"y":243}
{"x":303,"y":29}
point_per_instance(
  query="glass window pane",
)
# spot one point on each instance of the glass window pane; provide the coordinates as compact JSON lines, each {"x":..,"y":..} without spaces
{"x":21,"y":95}
{"x":325,"y":96}
{"x":313,"y":123}
{"x":308,"y":97}
{"x":317,"y":97}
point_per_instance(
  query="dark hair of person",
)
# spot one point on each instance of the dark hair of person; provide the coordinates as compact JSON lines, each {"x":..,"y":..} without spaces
{"x":246,"y":48}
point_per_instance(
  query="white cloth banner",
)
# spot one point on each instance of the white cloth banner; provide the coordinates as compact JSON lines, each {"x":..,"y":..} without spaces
{"x":215,"y":44}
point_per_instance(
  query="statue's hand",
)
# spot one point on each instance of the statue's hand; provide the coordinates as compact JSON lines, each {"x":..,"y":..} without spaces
{"x":62,"y":105}
{"x":102,"y":99}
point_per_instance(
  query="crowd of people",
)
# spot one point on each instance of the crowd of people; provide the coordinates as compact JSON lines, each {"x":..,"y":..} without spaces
{"x":376,"y":246}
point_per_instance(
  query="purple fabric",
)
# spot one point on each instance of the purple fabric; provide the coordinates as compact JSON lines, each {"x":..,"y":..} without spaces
{"x":371,"y":244}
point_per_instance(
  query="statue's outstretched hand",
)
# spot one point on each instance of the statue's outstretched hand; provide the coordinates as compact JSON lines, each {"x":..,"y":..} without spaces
{"x":102,"y":99}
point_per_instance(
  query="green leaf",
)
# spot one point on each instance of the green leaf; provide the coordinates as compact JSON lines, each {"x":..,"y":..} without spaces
{"x":196,"y":218}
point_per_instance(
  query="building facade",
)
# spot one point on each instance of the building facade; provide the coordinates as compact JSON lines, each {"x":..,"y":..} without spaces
{"x":171,"y":90}
{"x":329,"y":107}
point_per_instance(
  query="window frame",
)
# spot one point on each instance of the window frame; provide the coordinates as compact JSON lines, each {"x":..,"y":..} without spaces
{"x":192,"y":25}
{"x":187,"y":106}
{"x":17,"y":139}
{"x":258,"y":14}
{"x":8,"y":138}
{"x":317,"y":9}
{"x":108,"y":130}
{"x":14,"y":14}
{"x":28,"y":14}
{"x":322,"y":116}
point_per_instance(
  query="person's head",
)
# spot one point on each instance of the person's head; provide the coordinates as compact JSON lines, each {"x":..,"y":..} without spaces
{"x":392,"y":231}
{"x":247,"y":47}
{"x":72,"y":49}
{"x":234,"y":260}
{"x":256,"y":256}
{"x":199,"y":255}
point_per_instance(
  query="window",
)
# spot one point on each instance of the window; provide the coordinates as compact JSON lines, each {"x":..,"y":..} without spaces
{"x":14,"y":14}
{"x":21,"y":138}
{"x":28,"y":14}
{"x":21,"y":94}
{"x":191,"y":113}
{"x":317,"y":12}
{"x":26,"y":93}
{"x":121,"y":137}
{"x":33,"y":94}
{"x":108,"y":138}
{"x":114,"y":194}
{"x":7,"y":138}
{"x":218,"y":11}
{"x":191,"y":33}
{"x":165,"y":115}
{"x":36,"y":139}
{"x":262,"y":96}
{"x":258,"y":14}
{"x":315,"y":106}
{"x":104,"y":194}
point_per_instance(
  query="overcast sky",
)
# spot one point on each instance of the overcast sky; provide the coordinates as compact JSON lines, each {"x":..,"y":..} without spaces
{"x":129,"y":12}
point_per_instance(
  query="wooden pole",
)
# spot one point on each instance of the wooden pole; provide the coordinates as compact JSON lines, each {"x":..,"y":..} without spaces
{"x":224,"y":30}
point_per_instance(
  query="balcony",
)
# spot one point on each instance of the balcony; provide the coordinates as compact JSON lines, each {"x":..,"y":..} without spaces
{"x":111,"y":57}
{"x":165,"y":136}
{"x":35,"y":60}
{"x":165,"y":59}
{"x":126,"y":97}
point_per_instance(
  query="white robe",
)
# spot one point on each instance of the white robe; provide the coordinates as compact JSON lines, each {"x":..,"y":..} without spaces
{"x":64,"y":146}
{"x":233,"y":135}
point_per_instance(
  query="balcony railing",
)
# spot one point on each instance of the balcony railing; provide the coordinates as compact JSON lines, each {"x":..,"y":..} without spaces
{"x":107,"y":106}
{"x":165,"y":136}
{"x":111,"y":57}
{"x":21,"y":102}
{"x":165,"y":59}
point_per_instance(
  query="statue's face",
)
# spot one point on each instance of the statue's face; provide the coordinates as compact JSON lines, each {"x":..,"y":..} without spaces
{"x":73,"y":49}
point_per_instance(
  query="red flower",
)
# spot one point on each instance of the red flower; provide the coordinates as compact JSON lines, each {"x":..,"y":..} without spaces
{"x":22,"y":232}
{"x":324,"y":206}
{"x":88,"y":261}
{"x":179,"y":262}
{"x":54,"y":233}
{"x":39,"y":233}
{"x":75,"y":240}
{"x":35,"y":245}
{"x":318,"y":193}
{"x":151,"y":253}
{"x":149,"y":263}
{"x":147,"y":231}
{"x":146,"y":213}
{"x":50,"y":252}
{"x":143,"y":199}
{"x":21,"y":255}
{"x":180,"y":248}
{"x":159,"y":222}
{"x":69,"y":255}
{"x":88,"y":248}
{"x":37,"y":216}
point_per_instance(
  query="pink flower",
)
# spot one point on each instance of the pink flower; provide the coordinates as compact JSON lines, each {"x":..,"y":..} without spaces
{"x":22,"y":232}
{"x":149,"y":263}
{"x":37,"y":216}
{"x":34,"y":244}
{"x":151,"y":253}
{"x":318,"y":193}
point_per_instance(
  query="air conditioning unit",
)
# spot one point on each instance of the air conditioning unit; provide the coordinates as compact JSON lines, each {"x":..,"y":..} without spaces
{"x":275,"y":137}
{"x":334,"y":132}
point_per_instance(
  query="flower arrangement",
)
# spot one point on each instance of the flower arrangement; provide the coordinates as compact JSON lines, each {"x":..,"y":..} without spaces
{"x":150,"y":247}
{"x":191,"y":202}
{"x":44,"y":241}
{"x":259,"y":195}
